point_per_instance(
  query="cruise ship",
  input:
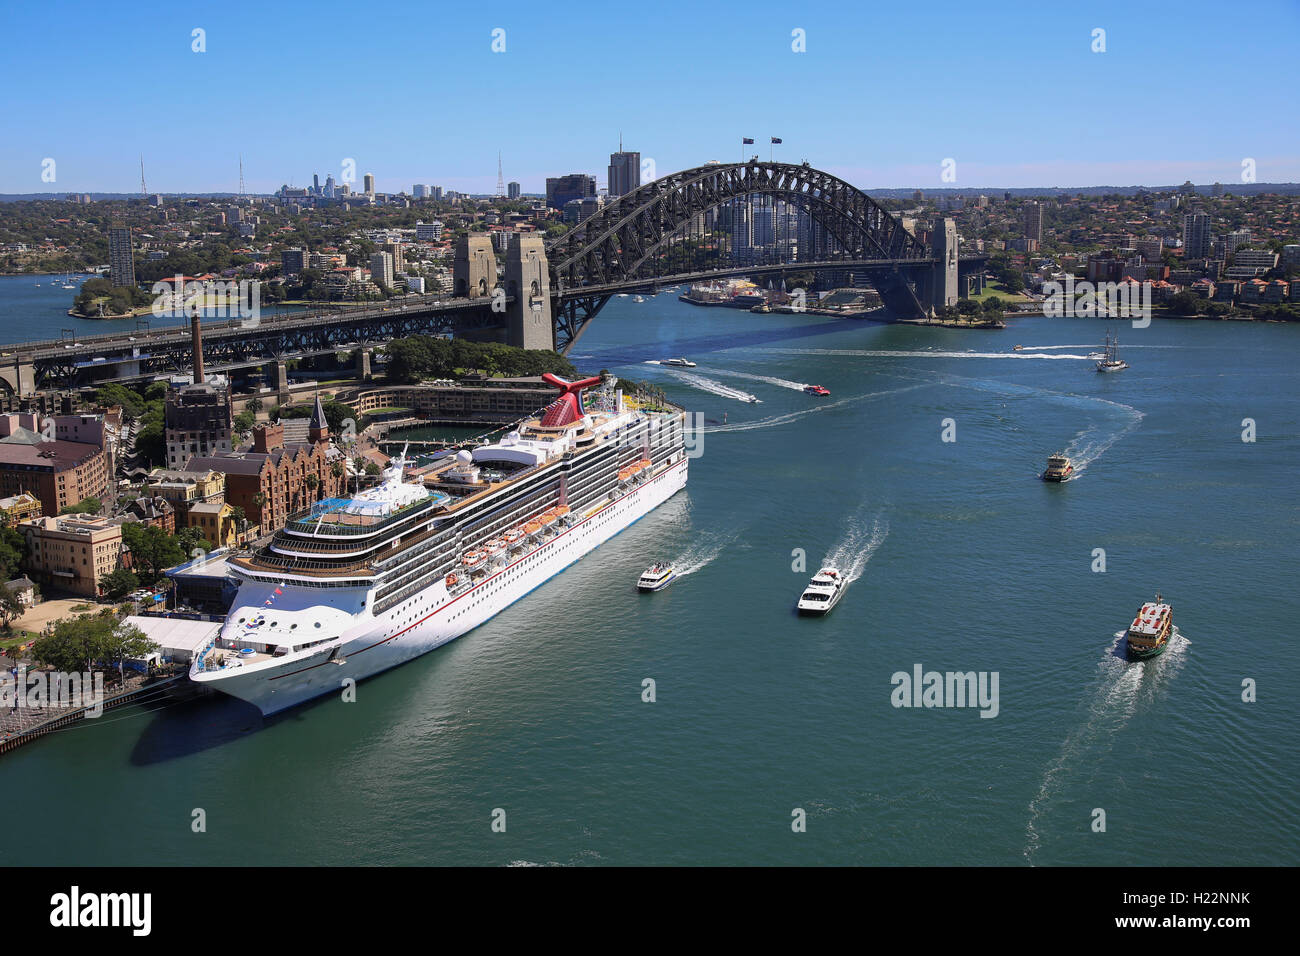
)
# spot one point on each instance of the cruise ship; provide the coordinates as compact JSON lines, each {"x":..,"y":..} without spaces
{"x":359,"y":584}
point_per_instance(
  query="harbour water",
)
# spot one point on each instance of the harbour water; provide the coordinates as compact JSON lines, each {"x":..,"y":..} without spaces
{"x":962,"y":561}
{"x":35,"y":308}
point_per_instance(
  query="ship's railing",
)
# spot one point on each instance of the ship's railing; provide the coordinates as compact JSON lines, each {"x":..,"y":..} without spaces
{"x":313,"y":524}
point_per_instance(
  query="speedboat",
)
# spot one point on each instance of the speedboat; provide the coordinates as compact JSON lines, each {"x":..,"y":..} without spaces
{"x":822,"y":592}
{"x":816,"y":390}
{"x":656,"y":577}
{"x":678,"y":363}
{"x":1059,"y":468}
{"x":1017,"y":348}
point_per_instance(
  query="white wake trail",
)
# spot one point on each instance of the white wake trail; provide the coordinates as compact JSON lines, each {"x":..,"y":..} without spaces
{"x":753,"y":377}
{"x":701,"y":553}
{"x":715,"y":388}
{"x":915,"y":353}
{"x":1114,"y":701}
{"x":788,"y":417}
{"x":860,"y":542}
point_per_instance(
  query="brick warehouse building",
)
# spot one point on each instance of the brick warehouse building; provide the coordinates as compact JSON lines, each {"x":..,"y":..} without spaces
{"x":277,"y":479}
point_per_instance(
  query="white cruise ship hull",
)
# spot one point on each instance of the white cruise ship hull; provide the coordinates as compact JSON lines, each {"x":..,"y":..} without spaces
{"x":432,"y":618}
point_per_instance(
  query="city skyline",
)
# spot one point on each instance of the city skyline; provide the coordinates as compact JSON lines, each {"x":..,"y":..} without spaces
{"x":1041,"y":110}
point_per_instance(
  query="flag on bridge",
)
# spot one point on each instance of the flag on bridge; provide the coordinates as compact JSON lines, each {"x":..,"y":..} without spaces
{"x":746,"y":142}
{"x":776,"y":139}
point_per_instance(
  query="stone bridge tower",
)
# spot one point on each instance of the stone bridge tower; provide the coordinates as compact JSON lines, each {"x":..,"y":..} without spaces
{"x":474,"y":268}
{"x":528,"y":284}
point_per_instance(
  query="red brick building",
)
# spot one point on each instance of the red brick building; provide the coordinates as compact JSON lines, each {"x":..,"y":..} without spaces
{"x":275,"y":480}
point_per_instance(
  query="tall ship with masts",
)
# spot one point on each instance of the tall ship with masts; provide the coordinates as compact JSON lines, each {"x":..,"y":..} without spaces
{"x":362,"y":583}
{"x":1110,"y":360}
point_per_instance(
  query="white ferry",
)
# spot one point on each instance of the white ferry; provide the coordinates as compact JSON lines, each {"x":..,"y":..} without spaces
{"x":823,"y":592}
{"x":678,"y":363}
{"x":361,"y":584}
{"x":656,"y":577}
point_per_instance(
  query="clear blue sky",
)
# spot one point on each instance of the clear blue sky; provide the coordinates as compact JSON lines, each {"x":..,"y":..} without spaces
{"x":413,"y":92}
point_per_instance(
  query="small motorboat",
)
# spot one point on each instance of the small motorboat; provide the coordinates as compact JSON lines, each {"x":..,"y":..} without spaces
{"x":656,"y":577}
{"x":678,"y":363}
{"x":816,"y":390}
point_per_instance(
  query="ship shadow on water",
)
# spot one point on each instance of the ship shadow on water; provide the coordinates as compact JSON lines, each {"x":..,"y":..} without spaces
{"x":182,"y":728}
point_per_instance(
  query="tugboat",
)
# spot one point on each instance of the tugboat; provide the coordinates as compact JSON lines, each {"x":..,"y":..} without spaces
{"x":1059,"y":468}
{"x":816,"y":390}
{"x":822,"y":592}
{"x":656,"y":577}
{"x":1149,"y":634}
{"x":1110,"y":360}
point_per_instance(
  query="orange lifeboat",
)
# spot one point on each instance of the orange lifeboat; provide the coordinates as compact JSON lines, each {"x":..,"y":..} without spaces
{"x":452,"y":580}
{"x":472,"y":559}
{"x":624,"y":474}
{"x":533,"y":527}
{"x":547,"y":517}
{"x":644,"y":463}
{"x":561,"y":510}
{"x":513,"y":536}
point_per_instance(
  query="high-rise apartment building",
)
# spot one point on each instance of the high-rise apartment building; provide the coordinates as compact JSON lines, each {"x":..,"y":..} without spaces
{"x":369,"y":183}
{"x":121,"y":262}
{"x":1032,"y":221}
{"x":381,"y":269}
{"x":512,"y":190}
{"x":1196,"y":235}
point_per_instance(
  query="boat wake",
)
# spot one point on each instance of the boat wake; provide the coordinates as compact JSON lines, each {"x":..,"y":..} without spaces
{"x":715,"y":388}
{"x":919,"y":353}
{"x":1120,"y":689}
{"x":863,"y":539}
{"x":701,"y":554}
{"x":753,"y":377}
{"x":775,"y":420}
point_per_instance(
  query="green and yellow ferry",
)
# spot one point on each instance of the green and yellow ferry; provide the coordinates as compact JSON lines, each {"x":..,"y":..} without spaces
{"x":1151,"y":630}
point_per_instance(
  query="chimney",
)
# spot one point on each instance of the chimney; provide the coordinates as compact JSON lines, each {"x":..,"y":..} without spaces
{"x":196,"y":337}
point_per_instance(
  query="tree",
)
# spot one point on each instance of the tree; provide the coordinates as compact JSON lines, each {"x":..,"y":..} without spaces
{"x":79,"y":643}
{"x":118,"y":584}
{"x":152,"y":549}
{"x":11,"y":606}
{"x":13,"y":551}
{"x":87,"y":506}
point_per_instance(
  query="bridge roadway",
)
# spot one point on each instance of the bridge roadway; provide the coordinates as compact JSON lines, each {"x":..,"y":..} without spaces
{"x":237,"y":343}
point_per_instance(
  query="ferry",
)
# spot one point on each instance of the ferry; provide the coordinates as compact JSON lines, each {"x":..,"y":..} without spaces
{"x":816,"y":390}
{"x":762,"y":308}
{"x":1110,"y":360}
{"x":356,"y":585}
{"x":1149,"y":634}
{"x":656,"y":577}
{"x":822,"y":593}
{"x":1059,"y":468}
{"x":678,"y":363}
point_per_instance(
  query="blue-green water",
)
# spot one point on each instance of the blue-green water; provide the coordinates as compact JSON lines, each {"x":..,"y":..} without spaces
{"x":35,"y":308}
{"x":966,"y":562}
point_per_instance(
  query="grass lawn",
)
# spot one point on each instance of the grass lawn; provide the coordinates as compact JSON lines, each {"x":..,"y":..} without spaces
{"x":992,"y":289}
{"x":386,"y":411}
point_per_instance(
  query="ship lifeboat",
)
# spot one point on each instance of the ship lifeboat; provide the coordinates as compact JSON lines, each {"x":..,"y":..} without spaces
{"x":547,"y":518}
{"x":513,"y":537}
{"x":533,"y":527}
{"x":494,"y":547}
{"x":624,"y":474}
{"x":452,"y":581}
{"x":561,"y":510}
{"x":472,"y":559}
{"x":644,"y":463}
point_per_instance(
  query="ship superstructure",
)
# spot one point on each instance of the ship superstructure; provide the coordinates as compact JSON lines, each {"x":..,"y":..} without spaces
{"x":363,"y":583}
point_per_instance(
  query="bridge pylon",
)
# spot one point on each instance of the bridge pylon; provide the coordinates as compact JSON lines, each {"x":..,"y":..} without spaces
{"x":528,"y":290}
{"x":944,"y":283}
{"x":474,"y":267}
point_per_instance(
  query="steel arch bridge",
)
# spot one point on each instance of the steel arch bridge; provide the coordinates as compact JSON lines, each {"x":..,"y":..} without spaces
{"x":615,"y":249}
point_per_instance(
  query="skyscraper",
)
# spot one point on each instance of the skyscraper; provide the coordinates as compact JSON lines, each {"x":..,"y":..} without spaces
{"x":512,"y":190}
{"x":1196,"y":235}
{"x":121,"y":263}
{"x":369,"y":183}
{"x":624,"y":173}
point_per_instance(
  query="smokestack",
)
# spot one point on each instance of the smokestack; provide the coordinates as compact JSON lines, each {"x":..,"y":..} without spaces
{"x":196,"y":339}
